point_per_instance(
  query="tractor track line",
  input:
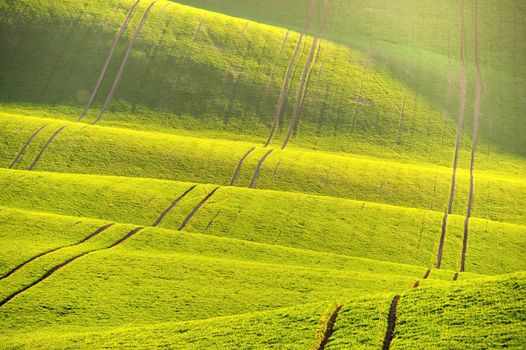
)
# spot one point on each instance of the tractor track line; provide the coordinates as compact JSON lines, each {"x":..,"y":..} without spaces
{"x":116,"y":40}
{"x":23,"y":149}
{"x":455,"y":276}
{"x":476,"y":124}
{"x":460,"y":130}
{"x":426,"y":275}
{"x":65,"y":263}
{"x":330,"y":328}
{"x":305,"y":78}
{"x":258,"y":169}
{"x":197,"y":207}
{"x":239,"y":165}
{"x":287,"y":81}
{"x":124,"y":61}
{"x":170,"y":207}
{"x":198,"y":28}
{"x":391,"y":323}
{"x":96,"y":232}
{"x":284,"y":89}
{"x":46,"y":145}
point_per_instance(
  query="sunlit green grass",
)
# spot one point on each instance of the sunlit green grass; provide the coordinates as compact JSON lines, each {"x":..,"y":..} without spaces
{"x":115,"y":151}
{"x":324,"y":224}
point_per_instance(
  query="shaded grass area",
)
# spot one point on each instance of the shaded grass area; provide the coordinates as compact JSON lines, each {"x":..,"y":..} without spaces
{"x":324,"y":224}
{"x":227,"y":81}
{"x":112,"y":151}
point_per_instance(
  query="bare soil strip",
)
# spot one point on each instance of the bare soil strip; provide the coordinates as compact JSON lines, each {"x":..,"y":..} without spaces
{"x":65,"y":263}
{"x":426,"y":275}
{"x":455,"y":276}
{"x":23,"y":149}
{"x":476,"y":123}
{"x":258,"y":169}
{"x":116,"y":40}
{"x":197,"y":207}
{"x":96,"y":232}
{"x":391,"y":323}
{"x":39,"y":155}
{"x":239,"y":165}
{"x":460,"y":130}
{"x":330,"y":328}
{"x":170,"y":207}
{"x":124,"y":61}
{"x":305,"y":78}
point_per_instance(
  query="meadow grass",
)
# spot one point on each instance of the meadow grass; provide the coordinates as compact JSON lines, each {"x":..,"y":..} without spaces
{"x":323,"y":224}
{"x":115,"y":151}
{"x":485,"y":314}
{"x":227,"y":80}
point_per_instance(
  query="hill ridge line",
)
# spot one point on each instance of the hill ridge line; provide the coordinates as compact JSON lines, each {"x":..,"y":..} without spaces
{"x":91,"y":235}
{"x":347,"y":156}
{"x":290,"y":193}
{"x":237,"y":240}
{"x":54,"y":269}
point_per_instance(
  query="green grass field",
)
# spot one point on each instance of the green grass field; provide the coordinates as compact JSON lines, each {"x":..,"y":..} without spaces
{"x":147,"y":199}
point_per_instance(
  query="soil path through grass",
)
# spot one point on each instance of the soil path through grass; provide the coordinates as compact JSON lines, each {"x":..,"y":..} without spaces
{"x":460,"y":130}
{"x":96,"y":232}
{"x":124,"y":61}
{"x":67,"y":262}
{"x":197,"y":207}
{"x":23,"y":149}
{"x":476,"y":123}
{"x":258,"y":169}
{"x":39,"y":155}
{"x":116,"y":40}
{"x":170,"y":207}
{"x":330,"y":328}
{"x":391,"y":323}
{"x":239,"y":165}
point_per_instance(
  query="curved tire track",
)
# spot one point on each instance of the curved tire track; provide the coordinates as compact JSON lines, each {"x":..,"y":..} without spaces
{"x":476,"y":124}
{"x":170,"y":207}
{"x":197,"y":207}
{"x":460,"y":130}
{"x":39,"y":155}
{"x":330,"y":328}
{"x":23,"y":149}
{"x":239,"y":165}
{"x":391,"y":323}
{"x":67,"y":262}
{"x":124,"y":61}
{"x":258,"y":169}
{"x":96,"y":232}
{"x":284,"y":90}
{"x":305,"y":78}
{"x":116,"y":40}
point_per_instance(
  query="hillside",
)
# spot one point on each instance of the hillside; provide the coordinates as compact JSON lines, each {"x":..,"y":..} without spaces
{"x":262,"y":175}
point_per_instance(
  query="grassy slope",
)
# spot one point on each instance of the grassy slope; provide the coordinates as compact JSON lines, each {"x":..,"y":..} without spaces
{"x":111,"y":151}
{"x":201,"y":81}
{"x":311,"y":222}
{"x":459,"y":315}
{"x":491,"y":316}
{"x":361,"y":324}
{"x":421,"y":47}
{"x":293,"y":328}
{"x":188,"y":276}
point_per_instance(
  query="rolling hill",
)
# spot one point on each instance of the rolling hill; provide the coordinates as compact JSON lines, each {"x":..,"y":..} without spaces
{"x":262,"y":175}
